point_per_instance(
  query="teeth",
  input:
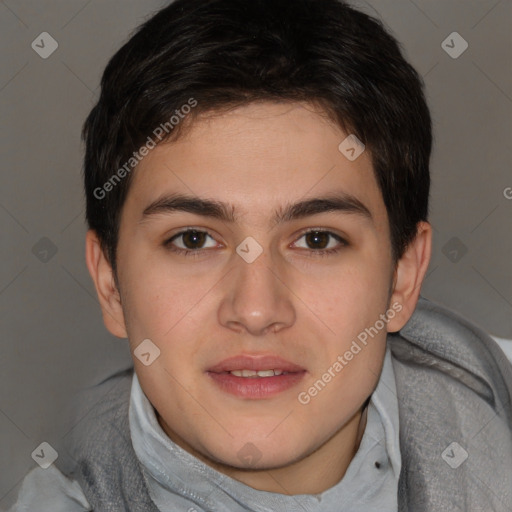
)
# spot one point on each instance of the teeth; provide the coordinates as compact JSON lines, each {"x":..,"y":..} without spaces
{"x":252,"y":373}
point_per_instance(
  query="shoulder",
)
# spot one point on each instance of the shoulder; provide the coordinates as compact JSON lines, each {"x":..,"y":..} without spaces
{"x":99,"y":417}
{"x":49,"y":489}
{"x":454,"y":384}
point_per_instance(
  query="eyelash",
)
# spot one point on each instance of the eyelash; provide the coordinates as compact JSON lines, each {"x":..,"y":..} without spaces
{"x":198,"y":252}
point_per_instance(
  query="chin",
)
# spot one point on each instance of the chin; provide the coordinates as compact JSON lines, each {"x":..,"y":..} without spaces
{"x":257,"y":454}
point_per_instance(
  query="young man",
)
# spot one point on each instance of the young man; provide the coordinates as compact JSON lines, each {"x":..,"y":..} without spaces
{"x":257,"y":183}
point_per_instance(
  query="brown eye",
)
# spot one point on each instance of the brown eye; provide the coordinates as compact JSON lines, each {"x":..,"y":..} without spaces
{"x":191,"y":240}
{"x":317,"y":239}
{"x":320,"y":242}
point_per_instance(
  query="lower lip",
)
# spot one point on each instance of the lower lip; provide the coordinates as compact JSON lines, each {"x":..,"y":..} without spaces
{"x":256,"y":387}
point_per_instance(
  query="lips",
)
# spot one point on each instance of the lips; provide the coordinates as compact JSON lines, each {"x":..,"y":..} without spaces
{"x":255,"y":363}
{"x":286,"y":375}
{"x":229,"y":376}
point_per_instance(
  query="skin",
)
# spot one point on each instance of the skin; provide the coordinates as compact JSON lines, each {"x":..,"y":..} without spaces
{"x":289,"y":301}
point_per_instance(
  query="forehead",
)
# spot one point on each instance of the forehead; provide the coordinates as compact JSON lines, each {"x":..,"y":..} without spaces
{"x":257,"y":158}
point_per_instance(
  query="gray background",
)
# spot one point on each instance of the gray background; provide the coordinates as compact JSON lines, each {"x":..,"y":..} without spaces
{"x":53,"y":339}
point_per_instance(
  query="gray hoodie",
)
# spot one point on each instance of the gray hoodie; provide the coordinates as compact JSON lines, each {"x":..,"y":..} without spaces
{"x":454,"y":388}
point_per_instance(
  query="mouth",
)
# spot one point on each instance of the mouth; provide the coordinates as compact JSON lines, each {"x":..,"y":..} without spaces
{"x":255,"y":377}
{"x":250,"y":374}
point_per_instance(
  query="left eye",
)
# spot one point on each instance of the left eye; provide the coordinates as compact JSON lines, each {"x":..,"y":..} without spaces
{"x":319,"y":240}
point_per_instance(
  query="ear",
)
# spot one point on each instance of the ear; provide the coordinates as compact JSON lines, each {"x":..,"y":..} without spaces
{"x":409,"y":274}
{"x":103,"y":277}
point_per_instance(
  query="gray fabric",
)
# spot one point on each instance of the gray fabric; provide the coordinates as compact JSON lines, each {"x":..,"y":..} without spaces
{"x":107,"y":468}
{"x":453,"y":383}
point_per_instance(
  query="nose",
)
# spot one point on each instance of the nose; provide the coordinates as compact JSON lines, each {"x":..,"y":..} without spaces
{"x":257,"y":299}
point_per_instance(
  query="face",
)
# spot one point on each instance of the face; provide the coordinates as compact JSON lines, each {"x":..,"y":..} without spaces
{"x":251,"y":282}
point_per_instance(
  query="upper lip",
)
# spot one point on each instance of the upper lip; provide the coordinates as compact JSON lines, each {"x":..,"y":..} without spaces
{"x":255,"y":363}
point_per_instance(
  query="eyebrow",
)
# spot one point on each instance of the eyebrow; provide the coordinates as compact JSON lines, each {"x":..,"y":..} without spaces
{"x":340,"y":202}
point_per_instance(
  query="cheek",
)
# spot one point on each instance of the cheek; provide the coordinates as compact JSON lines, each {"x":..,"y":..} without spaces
{"x":351,"y":298}
{"x":350,"y":305}
{"x":155,"y":302}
